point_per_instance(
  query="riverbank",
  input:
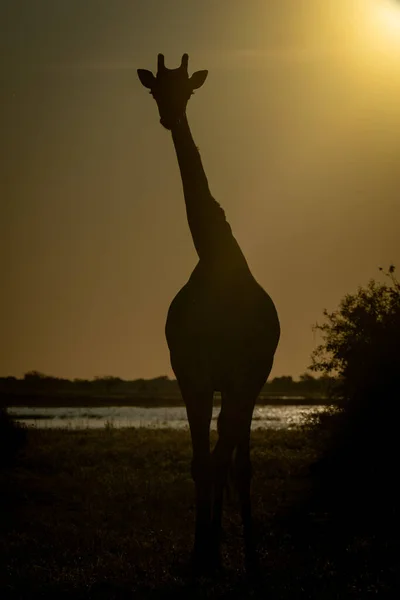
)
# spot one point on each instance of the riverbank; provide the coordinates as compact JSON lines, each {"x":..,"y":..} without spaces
{"x":109,"y":514}
{"x":86,"y":401}
{"x":166,"y":417}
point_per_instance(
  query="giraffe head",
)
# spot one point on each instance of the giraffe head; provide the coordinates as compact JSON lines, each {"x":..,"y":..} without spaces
{"x":171,"y":89}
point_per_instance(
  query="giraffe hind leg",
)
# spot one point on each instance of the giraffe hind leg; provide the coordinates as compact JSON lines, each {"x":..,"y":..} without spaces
{"x":221,"y":461}
{"x":234,"y":425}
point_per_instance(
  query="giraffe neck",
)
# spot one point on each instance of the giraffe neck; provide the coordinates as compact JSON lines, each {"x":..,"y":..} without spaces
{"x":211,"y":233}
{"x":194,"y":179}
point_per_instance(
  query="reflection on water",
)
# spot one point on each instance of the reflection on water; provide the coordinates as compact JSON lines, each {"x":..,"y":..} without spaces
{"x":264,"y":417}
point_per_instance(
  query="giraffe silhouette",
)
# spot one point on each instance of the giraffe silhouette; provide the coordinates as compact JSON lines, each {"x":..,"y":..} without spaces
{"x":222,"y":330}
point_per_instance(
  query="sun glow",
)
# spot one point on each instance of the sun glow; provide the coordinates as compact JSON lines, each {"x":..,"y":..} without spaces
{"x":388,"y":12}
{"x":377,"y":34}
{"x":384,"y":16}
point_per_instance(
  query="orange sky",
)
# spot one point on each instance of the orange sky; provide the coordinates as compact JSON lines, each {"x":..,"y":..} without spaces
{"x":298,"y":126}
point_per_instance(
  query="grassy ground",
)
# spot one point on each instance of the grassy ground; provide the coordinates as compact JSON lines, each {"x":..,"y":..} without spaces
{"x":109,"y":514}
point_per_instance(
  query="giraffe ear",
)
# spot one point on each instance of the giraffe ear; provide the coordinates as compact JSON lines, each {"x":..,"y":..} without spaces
{"x":198,"y":78}
{"x":146,"y":78}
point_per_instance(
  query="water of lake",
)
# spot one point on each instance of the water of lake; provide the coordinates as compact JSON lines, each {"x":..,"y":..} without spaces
{"x":265,"y":417}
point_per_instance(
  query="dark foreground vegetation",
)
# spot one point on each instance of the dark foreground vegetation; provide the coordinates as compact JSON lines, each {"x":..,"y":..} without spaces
{"x":361,"y":345}
{"x":109,"y":514}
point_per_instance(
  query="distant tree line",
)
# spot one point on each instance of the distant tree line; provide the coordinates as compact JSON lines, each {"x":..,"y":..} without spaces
{"x":38,"y":383}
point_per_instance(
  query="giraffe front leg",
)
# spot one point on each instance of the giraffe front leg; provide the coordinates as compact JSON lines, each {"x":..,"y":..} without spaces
{"x":201,"y":474}
{"x":243,"y":472}
{"x":199,"y":411}
{"x":221,"y":460}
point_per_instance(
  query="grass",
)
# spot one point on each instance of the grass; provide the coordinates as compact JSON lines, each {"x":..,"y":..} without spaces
{"x":109,"y":514}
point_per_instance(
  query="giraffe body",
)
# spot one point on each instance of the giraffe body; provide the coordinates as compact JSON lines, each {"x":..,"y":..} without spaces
{"x":222,"y":330}
{"x":202,"y":338}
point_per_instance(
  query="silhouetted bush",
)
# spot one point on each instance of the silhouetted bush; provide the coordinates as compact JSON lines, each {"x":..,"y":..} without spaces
{"x":12,"y":438}
{"x":361,"y":346}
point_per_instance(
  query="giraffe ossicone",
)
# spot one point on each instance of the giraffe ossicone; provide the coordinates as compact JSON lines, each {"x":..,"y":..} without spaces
{"x":171,"y":88}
